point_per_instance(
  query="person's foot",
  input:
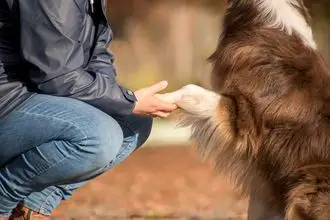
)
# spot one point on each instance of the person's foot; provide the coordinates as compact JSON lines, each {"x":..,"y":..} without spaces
{"x":23,"y":213}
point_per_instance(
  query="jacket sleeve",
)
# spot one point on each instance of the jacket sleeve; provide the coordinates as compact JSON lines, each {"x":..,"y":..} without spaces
{"x":50,"y":41}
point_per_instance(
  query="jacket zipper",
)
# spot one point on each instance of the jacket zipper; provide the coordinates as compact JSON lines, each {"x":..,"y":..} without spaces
{"x":91,"y":2}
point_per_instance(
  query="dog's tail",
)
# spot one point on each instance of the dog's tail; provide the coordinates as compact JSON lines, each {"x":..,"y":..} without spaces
{"x":309,"y":197}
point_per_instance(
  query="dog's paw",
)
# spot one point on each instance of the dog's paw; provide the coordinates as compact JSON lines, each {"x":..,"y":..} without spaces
{"x":198,"y":101}
{"x":193,"y":99}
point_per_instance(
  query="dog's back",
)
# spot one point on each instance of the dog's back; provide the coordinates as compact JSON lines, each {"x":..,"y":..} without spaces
{"x":270,"y":129}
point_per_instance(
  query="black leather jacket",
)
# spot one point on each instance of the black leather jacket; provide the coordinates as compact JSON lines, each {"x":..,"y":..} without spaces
{"x":58,"y":47}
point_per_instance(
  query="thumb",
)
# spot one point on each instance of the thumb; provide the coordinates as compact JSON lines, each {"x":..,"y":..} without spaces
{"x":158,"y":87}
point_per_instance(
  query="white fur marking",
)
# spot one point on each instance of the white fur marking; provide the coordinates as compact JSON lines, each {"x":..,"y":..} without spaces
{"x":282,"y":14}
{"x":194,"y":99}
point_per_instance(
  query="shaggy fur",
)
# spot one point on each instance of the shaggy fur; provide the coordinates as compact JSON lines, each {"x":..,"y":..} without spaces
{"x":267,"y":126}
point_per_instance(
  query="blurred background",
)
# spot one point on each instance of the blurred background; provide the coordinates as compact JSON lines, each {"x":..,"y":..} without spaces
{"x":168,"y":40}
{"x":172,"y":39}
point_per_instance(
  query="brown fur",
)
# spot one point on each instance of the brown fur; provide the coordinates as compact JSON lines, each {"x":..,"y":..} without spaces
{"x":272,"y":128}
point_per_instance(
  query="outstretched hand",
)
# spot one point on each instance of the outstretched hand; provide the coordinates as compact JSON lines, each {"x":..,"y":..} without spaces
{"x":148,"y":102}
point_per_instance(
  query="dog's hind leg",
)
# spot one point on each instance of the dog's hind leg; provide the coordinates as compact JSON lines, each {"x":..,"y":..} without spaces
{"x":260,"y":210}
{"x":262,"y":202}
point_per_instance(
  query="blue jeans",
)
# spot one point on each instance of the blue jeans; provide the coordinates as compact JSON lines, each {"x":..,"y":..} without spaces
{"x":51,"y":146}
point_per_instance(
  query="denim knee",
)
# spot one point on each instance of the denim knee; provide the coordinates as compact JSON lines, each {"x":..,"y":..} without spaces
{"x":102,"y":142}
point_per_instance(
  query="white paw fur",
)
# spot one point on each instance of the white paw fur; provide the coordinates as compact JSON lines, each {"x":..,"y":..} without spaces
{"x":194,"y":100}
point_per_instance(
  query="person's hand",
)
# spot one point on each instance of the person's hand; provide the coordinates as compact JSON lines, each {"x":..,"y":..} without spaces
{"x":148,"y":103}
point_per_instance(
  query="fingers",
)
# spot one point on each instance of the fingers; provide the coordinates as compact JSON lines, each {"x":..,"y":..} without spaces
{"x":161,"y":114}
{"x":164,"y":106}
{"x":172,"y":97}
{"x":157,"y":87}
{"x":163,"y":109}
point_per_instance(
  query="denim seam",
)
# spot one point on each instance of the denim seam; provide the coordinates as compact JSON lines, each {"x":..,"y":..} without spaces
{"x":59,"y":119}
{"x":42,"y":206}
{"x":21,"y":105}
{"x":41,"y":209}
{"x":123,"y":151}
{"x":5,"y":215}
{"x":65,"y":158}
{"x":58,"y":162}
{"x":45,"y":170}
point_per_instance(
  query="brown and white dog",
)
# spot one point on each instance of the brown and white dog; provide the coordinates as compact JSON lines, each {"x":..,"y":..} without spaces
{"x":267,"y":122}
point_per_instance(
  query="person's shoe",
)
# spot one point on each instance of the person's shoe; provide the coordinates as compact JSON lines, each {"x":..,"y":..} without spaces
{"x":23,"y":213}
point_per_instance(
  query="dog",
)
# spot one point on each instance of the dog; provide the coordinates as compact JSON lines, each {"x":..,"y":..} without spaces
{"x":266,"y":122}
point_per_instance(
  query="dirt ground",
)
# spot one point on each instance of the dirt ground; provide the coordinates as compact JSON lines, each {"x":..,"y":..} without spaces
{"x":156,"y":183}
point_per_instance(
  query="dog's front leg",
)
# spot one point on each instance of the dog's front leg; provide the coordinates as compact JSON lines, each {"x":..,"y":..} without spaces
{"x":194,"y":100}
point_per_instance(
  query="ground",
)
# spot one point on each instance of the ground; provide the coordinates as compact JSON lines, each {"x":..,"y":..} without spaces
{"x":156,"y":183}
